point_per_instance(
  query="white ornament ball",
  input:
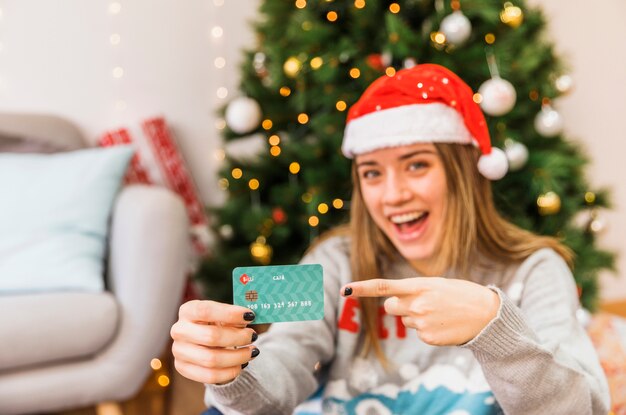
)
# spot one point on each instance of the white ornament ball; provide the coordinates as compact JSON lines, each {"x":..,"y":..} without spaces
{"x":409,"y":63}
{"x":548,"y":122}
{"x":498,"y":96}
{"x":386,"y":57}
{"x":243,"y":115}
{"x":456,"y":27}
{"x":226,"y":231}
{"x":493,"y":165}
{"x":516,"y":154}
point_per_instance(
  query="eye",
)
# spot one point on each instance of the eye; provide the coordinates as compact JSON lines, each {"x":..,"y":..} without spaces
{"x":370,"y":174}
{"x":416,"y":165}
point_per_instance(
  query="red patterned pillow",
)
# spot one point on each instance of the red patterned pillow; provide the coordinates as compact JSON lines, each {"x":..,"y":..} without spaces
{"x":178,"y":178}
{"x":171,"y":172}
{"x":136,"y":173}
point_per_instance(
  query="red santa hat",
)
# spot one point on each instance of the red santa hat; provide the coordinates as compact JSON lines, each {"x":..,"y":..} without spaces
{"x":423,"y":104}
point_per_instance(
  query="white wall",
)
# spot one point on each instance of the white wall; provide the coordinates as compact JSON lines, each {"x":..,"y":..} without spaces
{"x":56,"y":57}
{"x":591,"y":38}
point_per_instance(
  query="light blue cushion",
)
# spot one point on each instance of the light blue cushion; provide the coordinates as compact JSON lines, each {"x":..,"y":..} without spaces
{"x":54,"y":211}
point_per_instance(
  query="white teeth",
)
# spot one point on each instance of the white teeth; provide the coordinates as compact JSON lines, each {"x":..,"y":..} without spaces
{"x":407,"y":217}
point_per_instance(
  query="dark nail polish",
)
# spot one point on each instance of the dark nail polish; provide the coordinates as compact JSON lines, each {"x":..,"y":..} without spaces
{"x":254,"y":336}
{"x":255,"y":352}
{"x":249,"y":316}
{"x":347,"y":291}
{"x":244,"y":365}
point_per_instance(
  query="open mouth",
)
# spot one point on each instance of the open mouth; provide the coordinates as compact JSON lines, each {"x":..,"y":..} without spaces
{"x":409,"y":224}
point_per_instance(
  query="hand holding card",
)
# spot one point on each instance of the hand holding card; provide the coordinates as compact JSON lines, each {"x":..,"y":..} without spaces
{"x":280,"y":293}
{"x":211,"y":341}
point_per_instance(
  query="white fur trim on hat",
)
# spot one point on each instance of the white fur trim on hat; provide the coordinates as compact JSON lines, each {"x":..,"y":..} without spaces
{"x":407,"y":124}
{"x":493,"y":165}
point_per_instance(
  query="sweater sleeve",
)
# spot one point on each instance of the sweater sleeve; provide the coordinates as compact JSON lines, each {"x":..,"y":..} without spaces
{"x":285,"y":372}
{"x":536,"y":357}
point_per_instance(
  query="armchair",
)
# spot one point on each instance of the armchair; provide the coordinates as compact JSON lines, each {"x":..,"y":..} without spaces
{"x":62,"y":350}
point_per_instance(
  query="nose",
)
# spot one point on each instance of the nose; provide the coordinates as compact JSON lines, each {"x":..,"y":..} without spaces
{"x":396,"y":190}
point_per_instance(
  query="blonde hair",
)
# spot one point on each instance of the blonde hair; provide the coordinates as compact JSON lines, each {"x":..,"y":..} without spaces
{"x":472,"y":228}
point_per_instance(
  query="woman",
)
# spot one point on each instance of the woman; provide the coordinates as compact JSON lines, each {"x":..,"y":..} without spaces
{"x":478,"y":315}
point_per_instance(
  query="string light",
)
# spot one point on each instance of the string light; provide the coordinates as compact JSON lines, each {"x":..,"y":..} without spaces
{"x":253,"y":184}
{"x":115,"y":7}
{"x":316,"y":62}
{"x":438,"y":37}
{"x":322,"y":208}
{"x":285,"y":91}
{"x":359,"y":4}
{"x":274,"y":140}
{"x":292,"y":66}
{"x":155,"y":364}
{"x":477,"y":98}
{"x":163,"y":380}
{"x":217,"y":32}
{"x":341,"y":105}
{"x":394,"y":8}
{"x":314,"y":221}
{"x":301,"y":4}
{"x":220,"y":123}
{"x":219,"y":154}
{"x":219,"y":62}
{"x":222,"y":92}
{"x":275,"y":151}
{"x":223,"y":183}
{"x":355,"y":73}
{"x":590,"y":198}
{"x":337,"y":203}
{"x":332,"y":16}
{"x":490,"y":38}
{"x":118,"y":72}
{"x":294,"y":167}
{"x":236,"y":173}
{"x":390,"y":71}
{"x":267,"y":124}
{"x":303,"y":118}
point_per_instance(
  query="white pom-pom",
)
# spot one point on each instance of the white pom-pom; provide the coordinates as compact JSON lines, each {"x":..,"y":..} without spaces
{"x":493,"y":165}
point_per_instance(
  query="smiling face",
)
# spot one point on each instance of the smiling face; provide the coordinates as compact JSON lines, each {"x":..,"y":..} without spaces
{"x":404,"y":190}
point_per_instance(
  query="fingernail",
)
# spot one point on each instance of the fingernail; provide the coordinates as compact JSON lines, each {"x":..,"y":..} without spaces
{"x":255,"y":352}
{"x":249,"y":316}
{"x":347,"y":291}
{"x":244,"y":365}
{"x":254,"y":336}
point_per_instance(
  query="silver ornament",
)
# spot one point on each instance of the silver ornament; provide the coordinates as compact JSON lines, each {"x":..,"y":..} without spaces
{"x":498,"y":96}
{"x":409,"y":63}
{"x":243,"y":115}
{"x":548,"y":122}
{"x":516,"y":154}
{"x":457,"y":28}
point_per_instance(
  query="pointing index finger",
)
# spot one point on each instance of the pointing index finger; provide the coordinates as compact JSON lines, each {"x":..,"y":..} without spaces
{"x":381,"y":287}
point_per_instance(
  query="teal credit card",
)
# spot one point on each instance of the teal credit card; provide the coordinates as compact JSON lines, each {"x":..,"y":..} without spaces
{"x":278,"y":293}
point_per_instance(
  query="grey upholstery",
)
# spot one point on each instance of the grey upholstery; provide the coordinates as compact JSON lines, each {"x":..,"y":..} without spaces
{"x":62,"y":350}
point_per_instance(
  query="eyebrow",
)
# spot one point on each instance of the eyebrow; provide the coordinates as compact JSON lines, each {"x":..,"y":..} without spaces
{"x":402,"y":157}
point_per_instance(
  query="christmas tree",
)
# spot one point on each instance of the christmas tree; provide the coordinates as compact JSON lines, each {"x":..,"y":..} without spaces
{"x":313,"y":60}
